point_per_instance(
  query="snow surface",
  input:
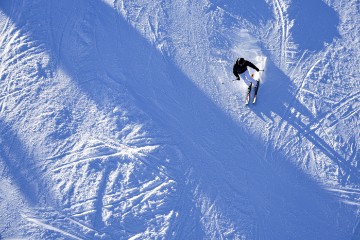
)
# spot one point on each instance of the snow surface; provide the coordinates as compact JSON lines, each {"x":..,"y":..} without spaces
{"x":120,"y":120}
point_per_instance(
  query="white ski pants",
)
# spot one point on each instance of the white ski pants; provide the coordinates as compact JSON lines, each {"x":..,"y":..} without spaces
{"x":247,"y":78}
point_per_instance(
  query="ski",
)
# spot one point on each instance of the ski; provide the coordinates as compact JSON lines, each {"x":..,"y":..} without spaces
{"x":247,"y":99}
{"x":256,"y":90}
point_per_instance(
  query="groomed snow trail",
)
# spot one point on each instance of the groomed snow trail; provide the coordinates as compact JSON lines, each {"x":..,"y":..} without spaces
{"x":120,"y":120}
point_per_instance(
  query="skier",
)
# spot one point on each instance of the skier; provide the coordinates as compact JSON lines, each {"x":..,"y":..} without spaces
{"x":240,"y":67}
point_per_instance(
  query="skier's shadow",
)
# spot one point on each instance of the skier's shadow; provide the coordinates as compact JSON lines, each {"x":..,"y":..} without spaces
{"x":279,"y":96}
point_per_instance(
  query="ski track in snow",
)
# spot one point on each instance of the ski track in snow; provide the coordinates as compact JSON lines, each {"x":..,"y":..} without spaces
{"x":119,"y":120}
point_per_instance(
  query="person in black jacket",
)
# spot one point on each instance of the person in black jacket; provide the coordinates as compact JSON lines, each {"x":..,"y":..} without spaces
{"x":240,"y":68}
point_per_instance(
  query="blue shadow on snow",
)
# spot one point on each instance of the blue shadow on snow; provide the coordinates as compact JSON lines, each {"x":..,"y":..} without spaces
{"x":315,"y":24}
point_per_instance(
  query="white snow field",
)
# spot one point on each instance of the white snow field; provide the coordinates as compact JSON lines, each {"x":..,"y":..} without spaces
{"x":121,"y":120}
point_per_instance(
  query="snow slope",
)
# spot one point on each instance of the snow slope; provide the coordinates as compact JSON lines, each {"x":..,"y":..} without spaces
{"x":120,"y":120}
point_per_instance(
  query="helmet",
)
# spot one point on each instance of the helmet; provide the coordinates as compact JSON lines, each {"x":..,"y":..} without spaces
{"x":240,"y":61}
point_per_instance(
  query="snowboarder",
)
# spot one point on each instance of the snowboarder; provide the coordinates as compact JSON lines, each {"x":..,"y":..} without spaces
{"x":240,"y":67}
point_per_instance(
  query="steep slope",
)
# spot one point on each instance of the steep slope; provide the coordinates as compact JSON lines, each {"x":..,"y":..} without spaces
{"x":120,"y":120}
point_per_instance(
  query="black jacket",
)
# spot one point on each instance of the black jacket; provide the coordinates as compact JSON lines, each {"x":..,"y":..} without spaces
{"x":239,"y":69}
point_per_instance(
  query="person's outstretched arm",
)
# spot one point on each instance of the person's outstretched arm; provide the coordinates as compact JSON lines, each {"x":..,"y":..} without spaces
{"x":250,"y":64}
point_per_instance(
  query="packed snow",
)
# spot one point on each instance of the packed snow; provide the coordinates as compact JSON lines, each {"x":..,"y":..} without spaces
{"x":122,"y":120}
